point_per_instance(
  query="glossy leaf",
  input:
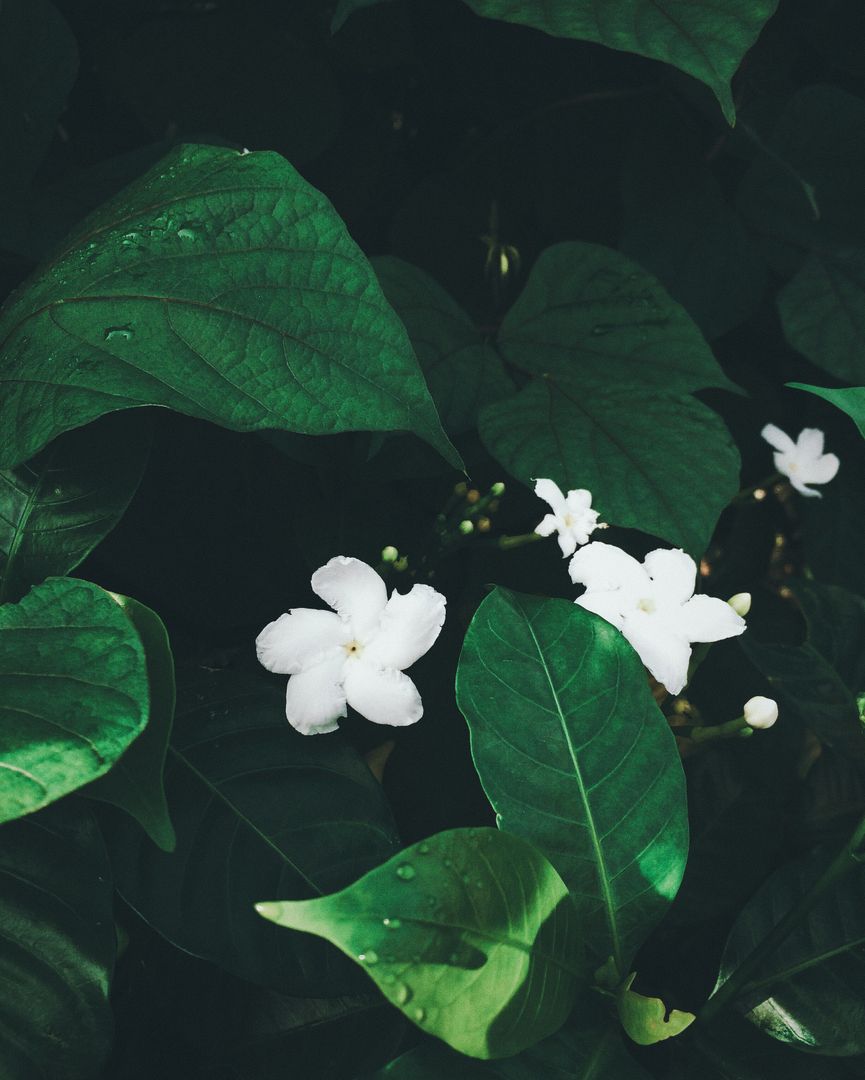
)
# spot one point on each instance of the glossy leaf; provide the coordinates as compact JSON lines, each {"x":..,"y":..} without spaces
{"x":849,"y":399}
{"x":706,"y":40}
{"x":57,"y":507}
{"x":220,"y":285}
{"x":135,"y":782}
{"x":57,"y":943}
{"x":647,"y":1019}
{"x":258,"y":810}
{"x":575,"y":756}
{"x":471,"y":933}
{"x":593,"y":316}
{"x":653,"y":461}
{"x":74,"y":692}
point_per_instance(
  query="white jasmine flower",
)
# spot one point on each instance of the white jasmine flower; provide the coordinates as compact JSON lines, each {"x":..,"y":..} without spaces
{"x":572,"y":515}
{"x":802,"y":462}
{"x":760,"y":712}
{"x":654,"y":606}
{"x":354,"y":654}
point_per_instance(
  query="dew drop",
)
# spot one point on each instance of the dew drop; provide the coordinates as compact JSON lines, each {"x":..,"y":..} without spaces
{"x":117,"y":333}
{"x":391,"y":924}
{"x":423,"y":849}
{"x":402,"y":994}
{"x":186,"y":234}
{"x":419,"y":1014}
{"x":368,"y":957}
{"x":405,"y":871}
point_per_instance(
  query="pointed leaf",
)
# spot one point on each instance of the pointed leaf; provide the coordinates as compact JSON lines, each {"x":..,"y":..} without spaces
{"x":850,"y":399}
{"x":471,"y":933}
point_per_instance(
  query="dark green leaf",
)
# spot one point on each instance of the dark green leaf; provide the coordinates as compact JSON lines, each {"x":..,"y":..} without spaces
{"x":57,"y":507}
{"x":57,"y":943}
{"x":74,"y":692}
{"x":471,"y":933}
{"x":576,"y":757}
{"x":662,"y":463}
{"x":850,"y":399}
{"x":220,"y":285}
{"x":259,"y":810}
{"x":345,"y":8}
{"x":706,"y":40}
{"x":135,"y":782}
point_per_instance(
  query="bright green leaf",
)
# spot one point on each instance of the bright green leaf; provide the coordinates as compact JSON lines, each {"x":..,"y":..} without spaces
{"x":74,"y":692}
{"x":646,"y":1020}
{"x":706,"y":40}
{"x":57,"y":507}
{"x":220,"y":285}
{"x":575,"y":756}
{"x":57,"y":944}
{"x":471,"y":933}
{"x":849,"y":399}
{"x":662,"y":463}
{"x":135,"y":782}
{"x":259,"y":810}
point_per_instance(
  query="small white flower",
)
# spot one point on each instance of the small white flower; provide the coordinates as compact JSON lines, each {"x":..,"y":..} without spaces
{"x":654,"y":606}
{"x":760,"y":712}
{"x":572,"y":515}
{"x":802,"y":462}
{"x":354,"y":654}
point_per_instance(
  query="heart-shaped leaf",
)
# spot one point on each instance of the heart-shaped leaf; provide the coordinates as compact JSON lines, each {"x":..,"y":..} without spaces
{"x":221,"y":285}
{"x":74,"y":692}
{"x":575,"y":756}
{"x":471,"y":933}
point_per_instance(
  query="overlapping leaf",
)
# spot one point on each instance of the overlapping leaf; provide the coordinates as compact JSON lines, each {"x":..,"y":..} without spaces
{"x":849,"y":399}
{"x":575,"y":756}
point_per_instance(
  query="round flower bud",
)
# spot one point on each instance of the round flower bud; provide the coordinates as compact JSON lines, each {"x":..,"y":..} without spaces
{"x":466,"y":527}
{"x":497,"y":489}
{"x":761,"y":712}
{"x":740,"y":603}
{"x":473,"y":496}
{"x":389,"y":554}
{"x":484,"y":524}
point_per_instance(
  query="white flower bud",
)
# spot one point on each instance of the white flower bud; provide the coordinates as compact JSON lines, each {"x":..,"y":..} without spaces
{"x":761,"y":712}
{"x":389,"y":554}
{"x":740,"y":603}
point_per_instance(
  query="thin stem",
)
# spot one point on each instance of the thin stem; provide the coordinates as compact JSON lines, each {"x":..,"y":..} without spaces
{"x":505,"y":543}
{"x":766,"y":483}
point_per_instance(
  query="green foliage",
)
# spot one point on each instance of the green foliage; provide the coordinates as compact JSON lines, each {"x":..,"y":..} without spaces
{"x":850,"y":399}
{"x":75,"y":693}
{"x":471,"y":933}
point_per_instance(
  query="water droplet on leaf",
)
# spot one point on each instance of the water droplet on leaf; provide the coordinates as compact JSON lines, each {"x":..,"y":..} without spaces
{"x":405,"y":871}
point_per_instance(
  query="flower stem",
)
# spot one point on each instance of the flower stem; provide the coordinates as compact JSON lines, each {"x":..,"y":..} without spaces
{"x":505,"y":543}
{"x":765,"y":484}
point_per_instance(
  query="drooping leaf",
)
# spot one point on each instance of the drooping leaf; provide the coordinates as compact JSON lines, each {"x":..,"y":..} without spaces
{"x":259,"y":810}
{"x":705,"y":40}
{"x":57,"y":944}
{"x":74,"y":692}
{"x":462,"y":372}
{"x":810,"y":992}
{"x":57,"y":507}
{"x":471,"y":933}
{"x":659,"y":462}
{"x":135,"y":782}
{"x":220,"y":285}
{"x":849,"y":399}
{"x":575,"y":756}
{"x":592,"y":316}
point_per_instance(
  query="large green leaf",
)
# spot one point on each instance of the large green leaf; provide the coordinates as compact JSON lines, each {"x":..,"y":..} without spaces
{"x":706,"y":40}
{"x":57,"y":943}
{"x":575,"y":756}
{"x":259,"y":810}
{"x":74,"y":692}
{"x":810,"y":991}
{"x":135,"y":782}
{"x":471,"y":933}
{"x":462,"y":372}
{"x":849,"y":399}
{"x":662,"y":463}
{"x":221,"y":285}
{"x":56,"y":508}
{"x":593,"y":316}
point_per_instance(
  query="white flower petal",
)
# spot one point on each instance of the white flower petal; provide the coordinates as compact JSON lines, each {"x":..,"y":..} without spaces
{"x":382,"y":695}
{"x":547,"y":526}
{"x":673,"y":572}
{"x":409,"y":626}
{"x":822,"y":470}
{"x":606,"y":604}
{"x":568,"y":542}
{"x":354,"y":590}
{"x":315,"y":698}
{"x":774,"y":436}
{"x":298,"y":639}
{"x":578,"y":500}
{"x":551,"y":493}
{"x":706,"y":618}
{"x":665,"y":654}
{"x":802,"y":488}
{"x":605,"y":566}
{"x":809,"y":445}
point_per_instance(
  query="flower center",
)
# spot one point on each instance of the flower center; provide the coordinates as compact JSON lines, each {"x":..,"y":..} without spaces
{"x":353,"y":649}
{"x":647,"y":604}
{"x":568,"y":520}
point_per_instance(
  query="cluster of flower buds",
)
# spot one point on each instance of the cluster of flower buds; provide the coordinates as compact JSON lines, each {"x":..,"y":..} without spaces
{"x":467,"y":511}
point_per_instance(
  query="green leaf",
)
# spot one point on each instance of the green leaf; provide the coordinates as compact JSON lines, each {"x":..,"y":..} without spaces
{"x":258,"y":810}
{"x":74,"y":692}
{"x":57,"y":944}
{"x":662,"y":463}
{"x":810,"y":992}
{"x":850,"y":399}
{"x":646,"y":1020}
{"x":595,"y":317}
{"x":575,"y":756}
{"x":135,"y":782}
{"x":471,"y":933}
{"x":57,"y":507}
{"x":220,"y":285}
{"x":706,"y":40}
{"x":462,"y":372}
